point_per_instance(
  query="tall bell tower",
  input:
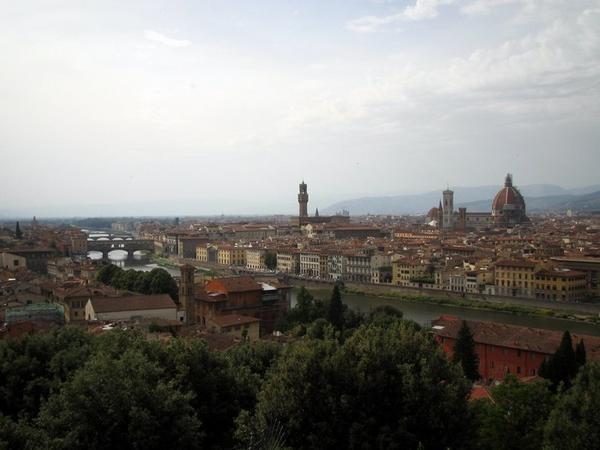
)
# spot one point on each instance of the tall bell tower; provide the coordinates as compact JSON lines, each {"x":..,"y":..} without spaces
{"x":186,"y":293}
{"x":303,"y":200}
{"x":448,"y":214}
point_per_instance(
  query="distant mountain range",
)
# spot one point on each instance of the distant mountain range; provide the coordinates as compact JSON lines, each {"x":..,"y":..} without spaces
{"x":538,"y":197}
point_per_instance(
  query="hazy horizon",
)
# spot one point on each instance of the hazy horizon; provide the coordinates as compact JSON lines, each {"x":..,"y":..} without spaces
{"x":229,"y":105}
{"x":193,"y":207}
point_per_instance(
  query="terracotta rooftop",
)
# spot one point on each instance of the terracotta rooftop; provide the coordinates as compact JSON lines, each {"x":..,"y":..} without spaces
{"x":132,"y":303}
{"x":515,"y":263}
{"x":512,"y":336}
{"x":232,"y":284}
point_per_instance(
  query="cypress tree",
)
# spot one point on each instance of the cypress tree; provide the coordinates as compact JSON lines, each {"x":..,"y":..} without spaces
{"x":565,"y":361}
{"x":335,"y":312}
{"x":562,"y":365}
{"x":580,"y":356}
{"x":465,"y":354}
{"x":18,"y":232}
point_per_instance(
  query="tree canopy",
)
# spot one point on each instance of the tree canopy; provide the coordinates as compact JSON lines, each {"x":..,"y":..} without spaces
{"x":157,"y":281}
{"x":382,"y":387}
{"x":465,"y":354}
{"x":516,"y":416}
{"x":575,"y":422}
{"x":562,"y":366}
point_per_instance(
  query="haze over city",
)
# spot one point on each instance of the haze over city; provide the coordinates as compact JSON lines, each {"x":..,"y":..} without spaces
{"x":228,"y":106}
{"x":300,"y":224}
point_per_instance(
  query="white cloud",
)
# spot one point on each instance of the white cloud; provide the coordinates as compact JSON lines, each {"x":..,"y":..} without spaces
{"x":482,"y":7}
{"x":421,"y":10}
{"x":154,"y":36}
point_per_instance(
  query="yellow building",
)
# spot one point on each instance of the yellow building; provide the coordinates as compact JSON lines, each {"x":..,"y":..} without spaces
{"x":288,"y":261}
{"x":230,"y":255}
{"x":255,"y":258}
{"x":560,"y":284}
{"x":404,"y":271}
{"x":515,"y":278}
{"x":202,"y":253}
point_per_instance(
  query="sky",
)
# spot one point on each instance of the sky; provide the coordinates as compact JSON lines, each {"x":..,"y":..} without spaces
{"x":225,"y":106}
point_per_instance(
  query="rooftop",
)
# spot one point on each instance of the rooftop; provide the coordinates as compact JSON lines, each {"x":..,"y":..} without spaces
{"x":132,"y":303}
{"x":512,"y":336}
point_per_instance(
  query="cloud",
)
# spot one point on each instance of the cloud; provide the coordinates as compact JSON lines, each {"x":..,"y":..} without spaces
{"x":421,"y":10}
{"x":154,"y":36}
{"x":483,"y":7}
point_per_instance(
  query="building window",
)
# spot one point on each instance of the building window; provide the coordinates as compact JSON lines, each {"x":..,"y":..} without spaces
{"x":518,"y":369}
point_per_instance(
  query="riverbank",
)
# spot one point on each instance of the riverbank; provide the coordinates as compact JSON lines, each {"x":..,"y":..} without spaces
{"x":562,"y":312}
{"x":163,"y":262}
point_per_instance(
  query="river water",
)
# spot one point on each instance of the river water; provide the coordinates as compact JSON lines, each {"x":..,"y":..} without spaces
{"x":424,"y":313}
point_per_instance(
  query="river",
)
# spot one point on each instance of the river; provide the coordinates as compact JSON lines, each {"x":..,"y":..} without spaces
{"x":424,"y":313}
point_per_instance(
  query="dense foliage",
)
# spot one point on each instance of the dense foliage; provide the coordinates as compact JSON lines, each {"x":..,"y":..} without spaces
{"x":381,"y":388}
{"x":271,"y":260}
{"x":562,"y":366}
{"x":379,"y":382}
{"x":516,"y":417}
{"x":465,"y":354}
{"x":157,"y":281}
{"x":575,"y":422}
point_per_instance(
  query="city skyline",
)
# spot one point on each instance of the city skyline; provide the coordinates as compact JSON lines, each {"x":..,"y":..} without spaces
{"x":228,"y":104}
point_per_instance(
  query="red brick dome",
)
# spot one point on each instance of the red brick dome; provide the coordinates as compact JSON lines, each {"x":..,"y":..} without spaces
{"x":508,"y":207}
{"x":508,"y":197}
{"x":433,"y":213}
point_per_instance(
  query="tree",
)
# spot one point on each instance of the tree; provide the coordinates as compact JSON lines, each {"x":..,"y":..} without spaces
{"x":575,"y":423}
{"x":120,"y":403}
{"x":381,"y":388}
{"x":516,"y":416}
{"x":37,"y":364}
{"x":107,"y":272}
{"x":335,"y":309}
{"x":580,"y":354}
{"x":271,"y":260}
{"x":561,"y":367}
{"x":384,"y":315}
{"x":18,"y":232}
{"x":161,"y":282}
{"x":465,"y":354}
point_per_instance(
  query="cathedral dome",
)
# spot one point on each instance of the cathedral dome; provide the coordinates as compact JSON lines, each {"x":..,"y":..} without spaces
{"x":509,"y":204}
{"x":433,"y":213}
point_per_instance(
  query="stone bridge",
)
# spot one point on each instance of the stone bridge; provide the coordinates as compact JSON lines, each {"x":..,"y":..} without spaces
{"x":110,"y":237}
{"x":130,"y":246}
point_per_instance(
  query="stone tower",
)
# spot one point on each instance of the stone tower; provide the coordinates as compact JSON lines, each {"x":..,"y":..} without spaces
{"x":303,"y":200}
{"x":186,"y":293}
{"x":448,"y":208}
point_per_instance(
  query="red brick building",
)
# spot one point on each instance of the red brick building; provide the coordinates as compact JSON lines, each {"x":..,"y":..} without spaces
{"x":242,"y":296}
{"x":506,"y":349}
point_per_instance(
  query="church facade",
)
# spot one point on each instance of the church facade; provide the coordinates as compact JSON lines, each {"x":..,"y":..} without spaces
{"x":508,"y":210}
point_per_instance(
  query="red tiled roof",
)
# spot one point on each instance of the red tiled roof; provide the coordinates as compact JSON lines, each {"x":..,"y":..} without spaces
{"x":479,"y":392}
{"x":515,"y":263}
{"x":560,"y":273}
{"x":232,"y":284}
{"x":512,"y":336}
{"x":132,"y":303}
